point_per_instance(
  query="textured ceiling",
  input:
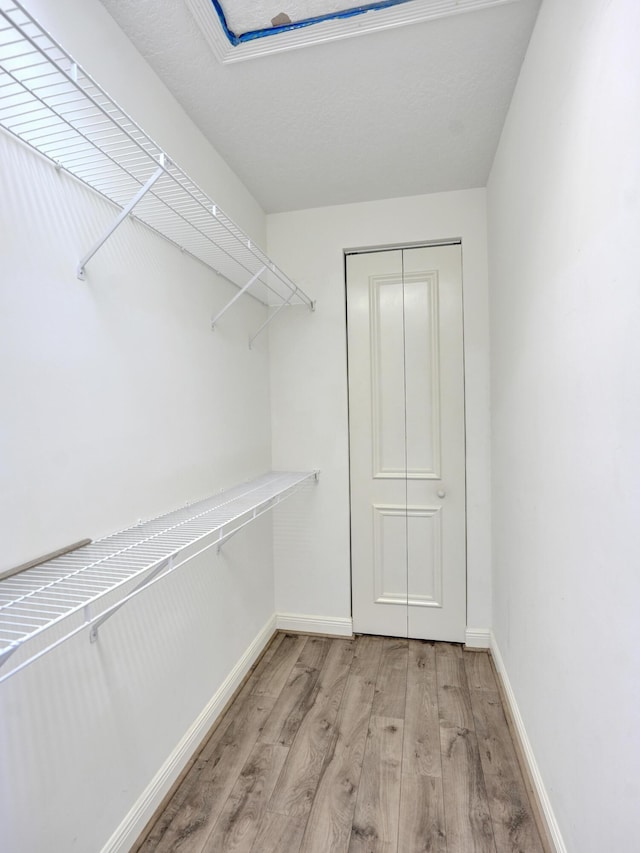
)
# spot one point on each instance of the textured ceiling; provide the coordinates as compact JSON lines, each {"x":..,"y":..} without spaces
{"x":411,"y":110}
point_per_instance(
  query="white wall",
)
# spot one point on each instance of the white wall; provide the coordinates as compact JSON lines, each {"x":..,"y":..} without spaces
{"x":118,"y":403}
{"x":564,"y":220}
{"x":309,"y":387}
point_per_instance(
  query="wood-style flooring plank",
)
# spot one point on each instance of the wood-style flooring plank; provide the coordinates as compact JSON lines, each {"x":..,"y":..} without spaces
{"x":422,"y":824}
{"x":298,"y":694}
{"x":514,"y":827}
{"x":496,"y":747}
{"x":274,"y":676}
{"x":391,"y":684}
{"x":513,"y":819}
{"x":210,"y":781}
{"x":454,"y":702}
{"x":265,"y":658}
{"x":331,"y":816}
{"x":377,"y":812}
{"x":479,"y":671}
{"x":421,"y":755}
{"x":157,"y":831}
{"x":467,"y":817}
{"x":279,"y":833}
{"x":236,"y":828}
{"x":298,"y":780}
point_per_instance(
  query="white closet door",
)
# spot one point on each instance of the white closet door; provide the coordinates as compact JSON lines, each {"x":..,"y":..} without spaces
{"x":406,"y":410}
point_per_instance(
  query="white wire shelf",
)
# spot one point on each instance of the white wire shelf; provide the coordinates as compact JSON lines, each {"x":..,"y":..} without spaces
{"x":47,"y":595}
{"x":49,"y":102}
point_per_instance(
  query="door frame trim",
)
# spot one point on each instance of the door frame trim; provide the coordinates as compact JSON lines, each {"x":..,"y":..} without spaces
{"x":392,"y":247}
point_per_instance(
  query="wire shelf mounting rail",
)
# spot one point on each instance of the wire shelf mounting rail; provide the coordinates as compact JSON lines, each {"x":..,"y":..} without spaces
{"x":49,"y":102}
{"x":79,"y":582}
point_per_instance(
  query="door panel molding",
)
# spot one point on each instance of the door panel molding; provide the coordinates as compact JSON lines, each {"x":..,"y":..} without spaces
{"x":389,"y":461}
{"x":382,"y":593}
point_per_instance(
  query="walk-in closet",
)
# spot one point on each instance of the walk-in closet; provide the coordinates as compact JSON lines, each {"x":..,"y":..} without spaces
{"x":319,"y":426}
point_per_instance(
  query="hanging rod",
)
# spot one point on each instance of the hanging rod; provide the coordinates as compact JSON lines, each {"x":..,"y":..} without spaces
{"x":52,"y":104}
{"x":78,"y":582}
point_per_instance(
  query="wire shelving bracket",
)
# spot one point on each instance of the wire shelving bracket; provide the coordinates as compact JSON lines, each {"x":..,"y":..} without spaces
{"x":80,"y":584}
{"x":51,"y":103}
{"x":120,"y":218}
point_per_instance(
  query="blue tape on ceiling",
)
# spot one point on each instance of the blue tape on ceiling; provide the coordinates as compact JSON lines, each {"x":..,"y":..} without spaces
{"x":233,"y":38}
{"x":236,"y":39}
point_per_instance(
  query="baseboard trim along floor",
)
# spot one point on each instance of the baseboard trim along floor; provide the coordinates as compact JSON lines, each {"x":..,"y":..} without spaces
{"x":535,"y":777}
{"x":151,"y":799}
{"x":332,"y":626}
{"x":477,"y":638}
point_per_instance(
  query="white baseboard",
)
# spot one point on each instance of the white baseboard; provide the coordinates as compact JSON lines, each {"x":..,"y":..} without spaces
{"x":477,"y":638}
{"x":131,"y":827}
{"x":534,"y":771}
{"x":332,"y":625}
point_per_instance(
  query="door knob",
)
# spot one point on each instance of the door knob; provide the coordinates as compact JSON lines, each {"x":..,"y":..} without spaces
{"x":441,"y":493}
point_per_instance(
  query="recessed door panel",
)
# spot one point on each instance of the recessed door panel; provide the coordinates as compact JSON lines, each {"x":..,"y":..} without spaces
{"x":386,"y":309}
{"x":422,"y":373}
{"x":424,"y":544}
{"x":389,"y":554}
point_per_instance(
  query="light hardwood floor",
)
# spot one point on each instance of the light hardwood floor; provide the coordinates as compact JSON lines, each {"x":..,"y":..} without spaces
{"x":370,"y":745}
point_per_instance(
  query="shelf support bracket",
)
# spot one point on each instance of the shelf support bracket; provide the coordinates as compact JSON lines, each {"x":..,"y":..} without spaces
{"x":256,"y":513}
{"x":242,"y":290}
{"x":121,"y":217}
{"x":165,"y":565}
{"x":5,"y":654}
{"x":271,"y":316}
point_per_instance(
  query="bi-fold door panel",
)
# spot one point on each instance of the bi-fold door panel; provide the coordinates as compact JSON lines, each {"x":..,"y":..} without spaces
{"x":406,"y":410}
